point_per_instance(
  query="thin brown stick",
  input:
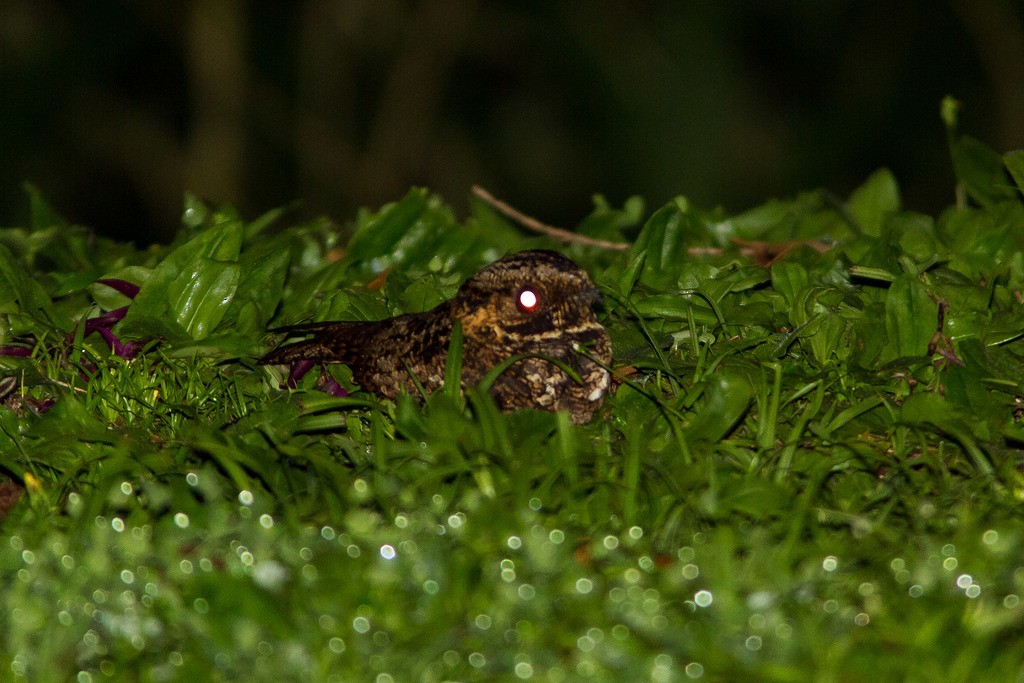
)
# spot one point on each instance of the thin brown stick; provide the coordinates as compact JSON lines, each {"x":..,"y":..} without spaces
{"x":551,"y":231}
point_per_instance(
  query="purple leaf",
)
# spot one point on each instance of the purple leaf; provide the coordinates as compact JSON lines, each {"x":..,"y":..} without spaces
{"x":123,"y":349}
{"x":299,"y":369}
{"x":129,"y":289}
{"x":330,"y":385}
{"x":17,"y":351}
{"x":104,"y":321}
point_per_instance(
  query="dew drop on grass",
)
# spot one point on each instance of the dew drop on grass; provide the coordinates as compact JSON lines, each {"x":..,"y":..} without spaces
{"x":584,"y":585}
{"x":117,"y":524}
{"x":361,"y":624}
{"x":327,"y":533}
{"x":1011,"y":601}
{"x":514,"y":542}
{"x":526,"y":592}
{"x":862,"y":619}
{"x":524,"y":670}
{"x":753,"y":643}
{"x":127,"y":576}
{"x":192,"y":479}
{"x":387,"y":552}
{"x":703,"y":598}
{"x":477,"y":660}
{"x":245,"y":497}
{"x":694,"y":670}
{"x":535,"y":504}
{"x":556,"y":536}
{"x":949,"y":564}
{"x":269,"y":574}
{"x":990,"y":537}
{"x":585,"y":643}
{"x":830,"y":563}
{"x":690,"y":571}
{"x":181,"y":520}
{"x":126,"y":488}
{"x":482,"y":621}
{"x":972,"y":591}
{"x":636,"y":533}
{"x":610,"y":542}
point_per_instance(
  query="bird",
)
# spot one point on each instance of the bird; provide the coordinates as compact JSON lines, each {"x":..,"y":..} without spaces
{"x":531,"y":306}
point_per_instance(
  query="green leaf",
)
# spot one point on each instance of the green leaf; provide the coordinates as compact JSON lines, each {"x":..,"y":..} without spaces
{"x":192,"y":287}
{"x":911,"y":317}
{"x":727,"y":396}
{"x":1015,"y":165}
{"x":262,"y":272}
{"x":379,"y":237}
{"x":663,"y":239}
{"x":981,"y":171}
{"x":18,"y":291}
{"x":44,"y":216}
{"x":873,"y":201}
{"x":789,"y":279}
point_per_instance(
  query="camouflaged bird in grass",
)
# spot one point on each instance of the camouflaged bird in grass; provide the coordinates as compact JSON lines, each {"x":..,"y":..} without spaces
{"x":534,"y":303}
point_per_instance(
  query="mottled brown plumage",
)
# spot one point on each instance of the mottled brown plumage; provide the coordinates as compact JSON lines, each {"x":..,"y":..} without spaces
{"x":499,"y":320}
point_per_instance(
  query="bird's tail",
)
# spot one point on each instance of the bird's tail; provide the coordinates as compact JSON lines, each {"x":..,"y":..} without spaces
{"x":332,"y":342}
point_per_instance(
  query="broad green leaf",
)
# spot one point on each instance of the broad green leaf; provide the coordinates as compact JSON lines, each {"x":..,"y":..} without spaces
{"x":378,"y":238}
{"x":19,"y":292}
{"x":826,"y":340}
{"x":727,"y":396}
{"x":44,"y":216}
{"x":663,"y":238}
{"x":789,"y":279}
{"x":981,"y":171}
{"x":193,"y":286}
{"x":1015,"y":165}
{"x":911,"y":317}
{"x":873,"y":201}
{"x":263,"y":268}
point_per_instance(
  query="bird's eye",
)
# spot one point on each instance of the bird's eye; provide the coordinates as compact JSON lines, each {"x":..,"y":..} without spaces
{"x":527,"y":300}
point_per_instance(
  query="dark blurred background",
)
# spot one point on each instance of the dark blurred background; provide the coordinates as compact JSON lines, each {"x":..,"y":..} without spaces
{"x":114,"y":108}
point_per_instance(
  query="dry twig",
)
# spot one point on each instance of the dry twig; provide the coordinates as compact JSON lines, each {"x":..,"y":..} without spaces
{"x":551,"y":231}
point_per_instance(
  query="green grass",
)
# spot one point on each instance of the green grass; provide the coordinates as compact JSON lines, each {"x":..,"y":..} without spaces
{"x":812,"y":469}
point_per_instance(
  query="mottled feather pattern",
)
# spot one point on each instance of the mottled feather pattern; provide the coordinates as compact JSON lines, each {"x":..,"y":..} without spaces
{"x":538,"y":303}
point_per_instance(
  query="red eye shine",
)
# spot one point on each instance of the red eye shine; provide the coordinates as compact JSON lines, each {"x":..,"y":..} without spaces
{"x":527,"y":300}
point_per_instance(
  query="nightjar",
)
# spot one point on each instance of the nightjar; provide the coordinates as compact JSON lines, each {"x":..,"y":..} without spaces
{"x":538,"y":303}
